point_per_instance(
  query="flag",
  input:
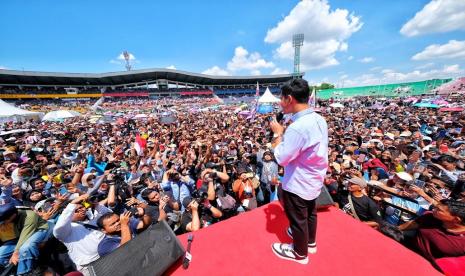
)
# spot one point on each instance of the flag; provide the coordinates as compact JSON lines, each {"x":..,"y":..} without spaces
{"x":254,"y":111}
{"x":312,"y":99}
{"x":140,"y":144}
{"x":97,"y":104}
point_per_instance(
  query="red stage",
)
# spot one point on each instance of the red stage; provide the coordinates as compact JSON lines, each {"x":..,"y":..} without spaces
{"x":242,"y":246}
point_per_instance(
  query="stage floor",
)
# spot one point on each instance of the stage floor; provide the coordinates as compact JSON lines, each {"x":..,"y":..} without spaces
{"x":242,"y":246}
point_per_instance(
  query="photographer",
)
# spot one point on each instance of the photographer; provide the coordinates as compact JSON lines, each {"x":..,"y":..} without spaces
{"x":197,"y":214}
{"x":243,"y":187}
{"x":120,"y":229}
{"x":177,"y":186}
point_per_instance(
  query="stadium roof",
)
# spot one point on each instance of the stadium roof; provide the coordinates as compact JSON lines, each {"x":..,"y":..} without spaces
{"x":12,"y":77}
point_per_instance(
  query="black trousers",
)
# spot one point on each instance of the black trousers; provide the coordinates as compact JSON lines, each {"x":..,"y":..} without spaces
{"x":303,"y":220}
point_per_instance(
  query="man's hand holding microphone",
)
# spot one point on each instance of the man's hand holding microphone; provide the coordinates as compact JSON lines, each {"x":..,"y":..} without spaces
{"x":278,"y":131}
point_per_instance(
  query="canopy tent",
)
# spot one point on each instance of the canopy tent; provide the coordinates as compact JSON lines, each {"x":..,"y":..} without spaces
{"x":426,"y":105}
{"x":60,"y":115}
{"x":9,"y":113}
{"x":336,"y":105}
{"x":267,"y":97}
{"x":451,"y":109}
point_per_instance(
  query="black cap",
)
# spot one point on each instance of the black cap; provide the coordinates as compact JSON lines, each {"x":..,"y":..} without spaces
{"x":186,"y":201}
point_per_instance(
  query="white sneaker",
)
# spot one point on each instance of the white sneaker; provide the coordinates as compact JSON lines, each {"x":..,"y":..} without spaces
{"x":286,"y":251}
{"x":311,"y":246}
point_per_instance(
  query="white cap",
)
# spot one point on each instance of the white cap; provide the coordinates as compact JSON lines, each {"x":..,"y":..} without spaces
{"x":404,"y":176}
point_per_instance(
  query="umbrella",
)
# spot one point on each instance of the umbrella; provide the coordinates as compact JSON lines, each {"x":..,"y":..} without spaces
{"x":426,"y":104}
{"x":451,"y":109}
{"x":14,"y":131}
{"x":167,"y":118}
{"x":141,"y":116}
{"x":440,"y":102}
{"x":377,"y":106}
{"x":60,"y":115}
{"x":336,"y":105}
{"x":410,"y":99}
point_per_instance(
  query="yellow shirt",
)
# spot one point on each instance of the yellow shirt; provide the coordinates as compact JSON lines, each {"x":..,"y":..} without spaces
{"x":7,"y":232}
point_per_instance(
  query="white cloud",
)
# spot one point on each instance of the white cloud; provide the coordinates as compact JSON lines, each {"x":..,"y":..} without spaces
{"x":438,"y":16}
{"x":376,"y":68}
{"x":350,"y":58}
{"x":3,"y":67}
{"x":252,"y":62}
{"x":392,"y":76}
{"x":172,"y":67}
{"x":366,"y":60}
{"x":279,"y":71}
{"x":325,"y":30}
{"x":453,"y":49}
{"x":343,"y":77}
{"x":425,"y":66}
{"x":216,"y":71}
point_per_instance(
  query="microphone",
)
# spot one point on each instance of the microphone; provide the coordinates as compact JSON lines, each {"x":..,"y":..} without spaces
{"x":188,"y":256}
{"x":278,"y":117}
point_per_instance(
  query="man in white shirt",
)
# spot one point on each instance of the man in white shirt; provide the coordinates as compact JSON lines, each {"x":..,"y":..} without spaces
{"x":303,"y":152}
{"x":81,"y":239}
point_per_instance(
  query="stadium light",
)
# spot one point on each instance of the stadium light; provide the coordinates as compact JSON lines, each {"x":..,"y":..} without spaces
{"x":127,"y":58}
{"x":297,"y":42}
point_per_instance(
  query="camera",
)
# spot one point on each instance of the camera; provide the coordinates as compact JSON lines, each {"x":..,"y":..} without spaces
{"x":201,"y":194}
{"x":133,"y":210}
{"x":173,"y":176}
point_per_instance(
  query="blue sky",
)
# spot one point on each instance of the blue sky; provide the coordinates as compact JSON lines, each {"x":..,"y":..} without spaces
{"x":348,"y":43}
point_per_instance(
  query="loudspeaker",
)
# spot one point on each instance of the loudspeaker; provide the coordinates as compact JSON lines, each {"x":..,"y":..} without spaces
{"x":324,"y":200}
{"x":150,"y":253}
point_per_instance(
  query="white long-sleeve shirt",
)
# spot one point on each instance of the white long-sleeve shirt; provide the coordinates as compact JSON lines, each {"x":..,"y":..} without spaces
{"x":304,"y":154}
{"x":82,"y":242}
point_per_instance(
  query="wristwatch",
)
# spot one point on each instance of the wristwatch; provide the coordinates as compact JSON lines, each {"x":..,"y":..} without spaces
{"x":277,"y":135}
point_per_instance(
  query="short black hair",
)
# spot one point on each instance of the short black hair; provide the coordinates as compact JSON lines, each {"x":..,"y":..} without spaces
{"x":298,"y":89}
{"x":456,"y":208}
{"x":104,"y":217}
{"x":447,"y":158}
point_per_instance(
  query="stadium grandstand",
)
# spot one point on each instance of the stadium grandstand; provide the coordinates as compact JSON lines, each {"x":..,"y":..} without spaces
{"x":385,"y":90}
{"x":138,"y":83}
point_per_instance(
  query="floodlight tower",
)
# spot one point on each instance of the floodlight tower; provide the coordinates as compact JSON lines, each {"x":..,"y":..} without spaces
{"x":297,"y":42}
{"x":127,"y":58}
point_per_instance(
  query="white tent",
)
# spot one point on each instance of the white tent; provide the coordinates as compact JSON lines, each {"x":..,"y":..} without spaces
{"x":10,"y":112}
{"x":60,"y":115}
{"x":336,"y":105}
{"x":267,"y":97}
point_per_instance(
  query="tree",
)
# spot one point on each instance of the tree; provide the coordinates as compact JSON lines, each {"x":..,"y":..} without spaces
{"x":325,"y":86}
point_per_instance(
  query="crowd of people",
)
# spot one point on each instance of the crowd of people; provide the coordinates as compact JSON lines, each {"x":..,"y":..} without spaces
{"x":76,"y":191}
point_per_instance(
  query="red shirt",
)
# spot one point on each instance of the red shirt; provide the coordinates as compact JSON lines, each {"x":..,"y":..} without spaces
{"x":434,"y":241}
